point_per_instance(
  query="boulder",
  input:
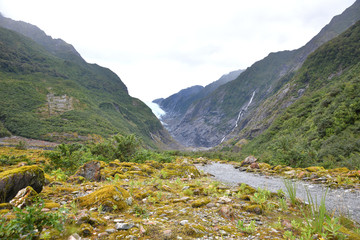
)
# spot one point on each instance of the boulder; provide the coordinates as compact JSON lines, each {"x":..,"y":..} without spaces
{"x":24,"y":197}
{"x":254,"y":165}
{"x":249,"y":160}
{"x":12,"y":181}
{"x":91,"y":171}
{"x":109,"y":197}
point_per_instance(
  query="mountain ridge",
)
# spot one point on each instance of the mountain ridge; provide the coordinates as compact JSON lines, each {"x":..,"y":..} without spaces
{"x":322,"y":127}
{"x":59,"y":97}
{"x":208,"y":120}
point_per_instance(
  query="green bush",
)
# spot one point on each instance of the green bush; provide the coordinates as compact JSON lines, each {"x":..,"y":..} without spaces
{"x":119,"y":147}
{"x":29,"y":222}
{"x":68,"y":157}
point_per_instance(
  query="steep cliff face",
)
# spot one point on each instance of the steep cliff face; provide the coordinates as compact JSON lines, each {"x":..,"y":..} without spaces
{"x":215,"y":118}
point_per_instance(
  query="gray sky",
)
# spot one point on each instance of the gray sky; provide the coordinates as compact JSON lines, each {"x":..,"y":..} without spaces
{"x":159,"y":47}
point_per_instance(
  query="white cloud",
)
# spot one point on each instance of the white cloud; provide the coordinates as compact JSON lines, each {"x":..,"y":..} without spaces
{"x":159,"y":47}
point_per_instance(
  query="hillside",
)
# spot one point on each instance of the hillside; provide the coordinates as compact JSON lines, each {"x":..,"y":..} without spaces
{"x":226,"y":111}
{"x":59,"y":97}
{"x":323,"y":126}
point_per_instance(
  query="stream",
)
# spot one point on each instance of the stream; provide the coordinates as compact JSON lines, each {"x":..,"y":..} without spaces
{"x":345,"y":201}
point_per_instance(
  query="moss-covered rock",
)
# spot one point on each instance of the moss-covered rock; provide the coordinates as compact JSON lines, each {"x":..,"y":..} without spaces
{"x":86,"y":230}
{"x":200,"y":202}
{"x":315,"y":169}
{"x":109,"y":197}
{"x":12,"y":181}
{"x":264,"y":166}
{"x":173,"y":170}
{"x":253,"y":208}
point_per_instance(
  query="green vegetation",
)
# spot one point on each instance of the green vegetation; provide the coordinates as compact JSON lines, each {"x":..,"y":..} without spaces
{"x":291,"y":190}
{"x":46,"y":97}
{"x":323,"y":126}
{"x":30,"y":222}
{"x":125,"y":148}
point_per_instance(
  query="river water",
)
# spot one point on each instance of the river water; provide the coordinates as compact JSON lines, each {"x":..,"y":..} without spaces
{"x":345,"y":201}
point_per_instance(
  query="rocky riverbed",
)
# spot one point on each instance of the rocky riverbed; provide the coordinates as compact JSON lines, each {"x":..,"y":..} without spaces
{"x":341,"y":200}
{"x":151,"y":200}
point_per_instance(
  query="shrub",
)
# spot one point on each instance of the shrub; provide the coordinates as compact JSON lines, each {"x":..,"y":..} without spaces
{"x":29,"y":222}
{"x":119,"y":147}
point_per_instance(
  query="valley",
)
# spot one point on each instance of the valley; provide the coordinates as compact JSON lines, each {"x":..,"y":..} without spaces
{"x":267,"y":152}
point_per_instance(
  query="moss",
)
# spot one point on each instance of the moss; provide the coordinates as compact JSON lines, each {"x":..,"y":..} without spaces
{"x":114,"y":164}
{"x":51,"y":205}
{"x":315,"y":169}
{"x":350,"y":234}
{"x":86,"y":230}
{"x":4,"y":211}
{"x":172,"y":170}
{"x":147,"y":169}
{"x":254,"y":209}
{"x":279,"y":168}
{"x":194,"y":231}
{"x":33,"y":169}
{"x":200,"y":202}
{"x":154,"y":164}
{"x":5,"y":206}
{"x":264,"y":166}
{"x":13,"y":180}
{"x":339,"y":170}
{"x":246,"y":189}
{"x":244,"y":197}
{"x":109,"y":197}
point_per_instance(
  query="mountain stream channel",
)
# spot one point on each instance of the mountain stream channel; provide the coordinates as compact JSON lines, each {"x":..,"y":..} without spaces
{"x":346,"y":201}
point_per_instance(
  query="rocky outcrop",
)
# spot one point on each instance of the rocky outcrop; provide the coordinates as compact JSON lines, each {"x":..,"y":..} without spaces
{"x":12,"y":181}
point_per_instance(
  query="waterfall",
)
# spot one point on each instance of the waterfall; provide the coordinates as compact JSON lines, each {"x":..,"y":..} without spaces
{"x":241,"y":113}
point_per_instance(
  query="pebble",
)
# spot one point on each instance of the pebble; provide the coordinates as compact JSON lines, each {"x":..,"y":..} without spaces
{"x":124,"y":226}
{"x":103,"y":234}
{"x":167,"y":233}
{"x":110,"y":230}
{"x":119,"y":220}
{"x":184,"y":222}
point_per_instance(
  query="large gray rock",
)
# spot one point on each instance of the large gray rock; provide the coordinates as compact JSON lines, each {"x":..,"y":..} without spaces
{"x":13,"y":180}
{"x":91,"y":171}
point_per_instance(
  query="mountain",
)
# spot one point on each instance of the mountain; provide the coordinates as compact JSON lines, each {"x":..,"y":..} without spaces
{"x":47,"y":91}
{"x":323,"y":125}
{"x":177,"y":104}
{"x":229,"y":109}
{"x":57,"y":47}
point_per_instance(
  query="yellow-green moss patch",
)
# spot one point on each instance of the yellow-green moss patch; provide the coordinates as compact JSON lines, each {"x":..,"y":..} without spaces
{"x":200,"y":202}
{"x":108,"y":197}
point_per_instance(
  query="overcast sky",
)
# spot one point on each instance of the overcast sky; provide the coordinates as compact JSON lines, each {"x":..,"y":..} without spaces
{"x":160,"y":47}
